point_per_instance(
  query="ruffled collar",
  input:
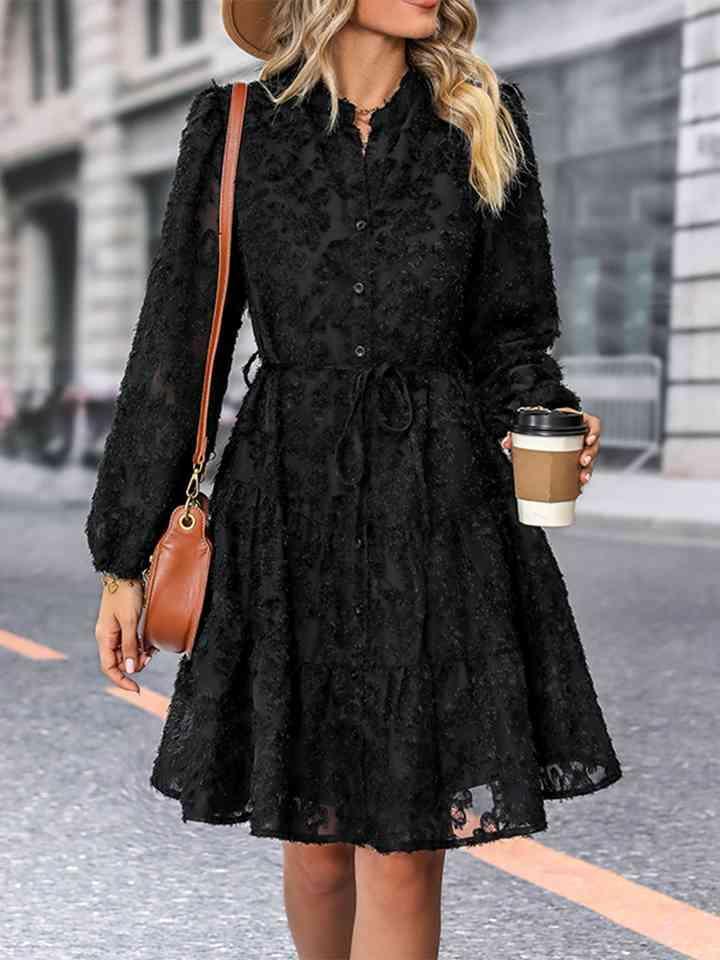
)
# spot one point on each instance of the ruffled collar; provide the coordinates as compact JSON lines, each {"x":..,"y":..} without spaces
{"x":412,"y":90}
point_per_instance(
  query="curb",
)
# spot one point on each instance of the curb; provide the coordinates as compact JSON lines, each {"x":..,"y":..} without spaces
{"x":647,"y":526}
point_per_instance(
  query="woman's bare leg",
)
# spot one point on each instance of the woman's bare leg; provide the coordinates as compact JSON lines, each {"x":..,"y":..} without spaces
{"x":398,"y":904}
{"x":319,"y":892}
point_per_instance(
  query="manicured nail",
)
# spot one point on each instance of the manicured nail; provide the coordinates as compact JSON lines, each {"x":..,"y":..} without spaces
{"x":129,"y":665}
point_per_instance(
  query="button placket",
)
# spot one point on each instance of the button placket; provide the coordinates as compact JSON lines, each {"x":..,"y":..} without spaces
{"x":364,"y":301}
{"x":359,"y":286}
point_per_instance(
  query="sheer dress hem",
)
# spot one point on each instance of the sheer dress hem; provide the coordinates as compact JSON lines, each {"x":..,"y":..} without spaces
{"x":613,"y":774}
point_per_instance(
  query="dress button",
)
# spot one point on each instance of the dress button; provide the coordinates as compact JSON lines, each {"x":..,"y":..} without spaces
{"x":358,"y":541}
{"x":360,"y":224}
{"x":358,"y":609}
{"x":360,"y":350}
{"x":359,"y":286}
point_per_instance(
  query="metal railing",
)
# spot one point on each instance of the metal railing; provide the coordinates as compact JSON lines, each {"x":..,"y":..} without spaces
{"x":625,"y":391}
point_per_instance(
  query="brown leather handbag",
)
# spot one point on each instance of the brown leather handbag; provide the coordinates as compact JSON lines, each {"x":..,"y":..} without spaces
{"x":177,"y":574}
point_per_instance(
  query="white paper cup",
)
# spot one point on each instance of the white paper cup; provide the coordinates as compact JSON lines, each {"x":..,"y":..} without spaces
{"x":546,"y":471}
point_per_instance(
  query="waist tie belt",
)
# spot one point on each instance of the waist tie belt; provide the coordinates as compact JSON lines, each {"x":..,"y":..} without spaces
{"x":353,"y":427}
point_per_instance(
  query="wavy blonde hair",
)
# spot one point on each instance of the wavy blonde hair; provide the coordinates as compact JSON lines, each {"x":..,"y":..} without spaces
{"x":465,"y":88}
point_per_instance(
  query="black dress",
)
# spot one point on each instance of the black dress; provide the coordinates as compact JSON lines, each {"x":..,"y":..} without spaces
{"x":386,"y":655}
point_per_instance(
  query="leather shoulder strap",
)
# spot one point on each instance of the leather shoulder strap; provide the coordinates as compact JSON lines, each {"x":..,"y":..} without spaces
{"x":236,"y":116}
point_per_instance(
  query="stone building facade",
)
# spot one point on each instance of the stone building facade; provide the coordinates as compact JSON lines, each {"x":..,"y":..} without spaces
{"x":626,"y":104}
{"x":90,"y":117}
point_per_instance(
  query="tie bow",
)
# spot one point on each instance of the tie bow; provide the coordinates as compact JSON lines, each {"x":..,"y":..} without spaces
{"x":353,"y":430}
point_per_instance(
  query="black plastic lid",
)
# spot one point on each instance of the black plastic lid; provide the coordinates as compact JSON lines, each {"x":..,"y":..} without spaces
{"x":545,"y":423}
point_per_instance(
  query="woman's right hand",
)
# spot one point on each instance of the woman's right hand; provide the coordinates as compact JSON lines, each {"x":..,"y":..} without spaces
{"x":120,"y":650}
{"x":506,"y":444}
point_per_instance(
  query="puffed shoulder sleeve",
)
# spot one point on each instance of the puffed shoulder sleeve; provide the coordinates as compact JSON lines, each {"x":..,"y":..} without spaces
{"x":512,"y":308}
{"x":147,"y":456}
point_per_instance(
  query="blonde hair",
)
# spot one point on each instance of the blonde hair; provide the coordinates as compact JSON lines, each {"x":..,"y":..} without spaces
{"x":465,"y":88}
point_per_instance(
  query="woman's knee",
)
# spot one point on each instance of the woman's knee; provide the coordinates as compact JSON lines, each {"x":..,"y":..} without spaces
{"x":404,"y":880}
{"x":323,"y":869}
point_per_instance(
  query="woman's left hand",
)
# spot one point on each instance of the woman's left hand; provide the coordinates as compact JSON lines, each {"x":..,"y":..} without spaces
{"x":592,"y":443}
{"x":591,"y":447}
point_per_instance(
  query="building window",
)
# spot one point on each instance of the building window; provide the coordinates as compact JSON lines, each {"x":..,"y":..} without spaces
{"x":170,"y":24}
{"x":153,"y":20}
{"x":638,"y":287}
{"x":156,"y":189}
{"x":605,"y":130}
{"x":190,"y":20}
{"x":584,"y":282}
{"x":37,"y":49}
{"x":63,"y":34}
{"x":51,"y":47}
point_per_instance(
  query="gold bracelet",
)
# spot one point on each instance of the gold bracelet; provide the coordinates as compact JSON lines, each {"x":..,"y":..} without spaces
{"x":112,"y":582}
{"x":109,"y":581}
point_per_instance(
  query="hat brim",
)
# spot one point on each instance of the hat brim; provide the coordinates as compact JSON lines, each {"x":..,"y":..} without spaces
{"x":247,"y":23}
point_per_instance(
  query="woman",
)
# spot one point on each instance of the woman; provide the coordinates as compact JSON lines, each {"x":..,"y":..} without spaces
{"x":387,"y":665}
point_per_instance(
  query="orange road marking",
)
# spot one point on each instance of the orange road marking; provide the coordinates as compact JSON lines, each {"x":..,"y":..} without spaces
{"x":149,"y":700}
{"x":28,"y":648}
{"x":654,"y":915}
{"x":662,"y":919}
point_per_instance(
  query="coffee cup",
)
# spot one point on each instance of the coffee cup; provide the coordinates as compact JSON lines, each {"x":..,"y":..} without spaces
{"x":546,"y":448}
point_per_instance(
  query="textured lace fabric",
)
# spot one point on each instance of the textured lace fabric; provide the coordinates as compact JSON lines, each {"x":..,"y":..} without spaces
{"x":386,"y":656}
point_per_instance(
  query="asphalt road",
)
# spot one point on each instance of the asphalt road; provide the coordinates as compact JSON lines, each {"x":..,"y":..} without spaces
{"x":94,"y":864}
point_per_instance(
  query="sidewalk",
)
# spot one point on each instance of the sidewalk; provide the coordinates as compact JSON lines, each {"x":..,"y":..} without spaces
{"x":612,"y":498}
{"x":645,"y":500}
{"x":24,"y":484}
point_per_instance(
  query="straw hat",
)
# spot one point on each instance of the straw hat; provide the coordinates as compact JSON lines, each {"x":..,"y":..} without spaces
{"x":247,"y":23}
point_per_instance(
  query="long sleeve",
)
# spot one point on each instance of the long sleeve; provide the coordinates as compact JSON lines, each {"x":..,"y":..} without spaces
{"x":512,"y":308}
{"x":147,"y":457}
